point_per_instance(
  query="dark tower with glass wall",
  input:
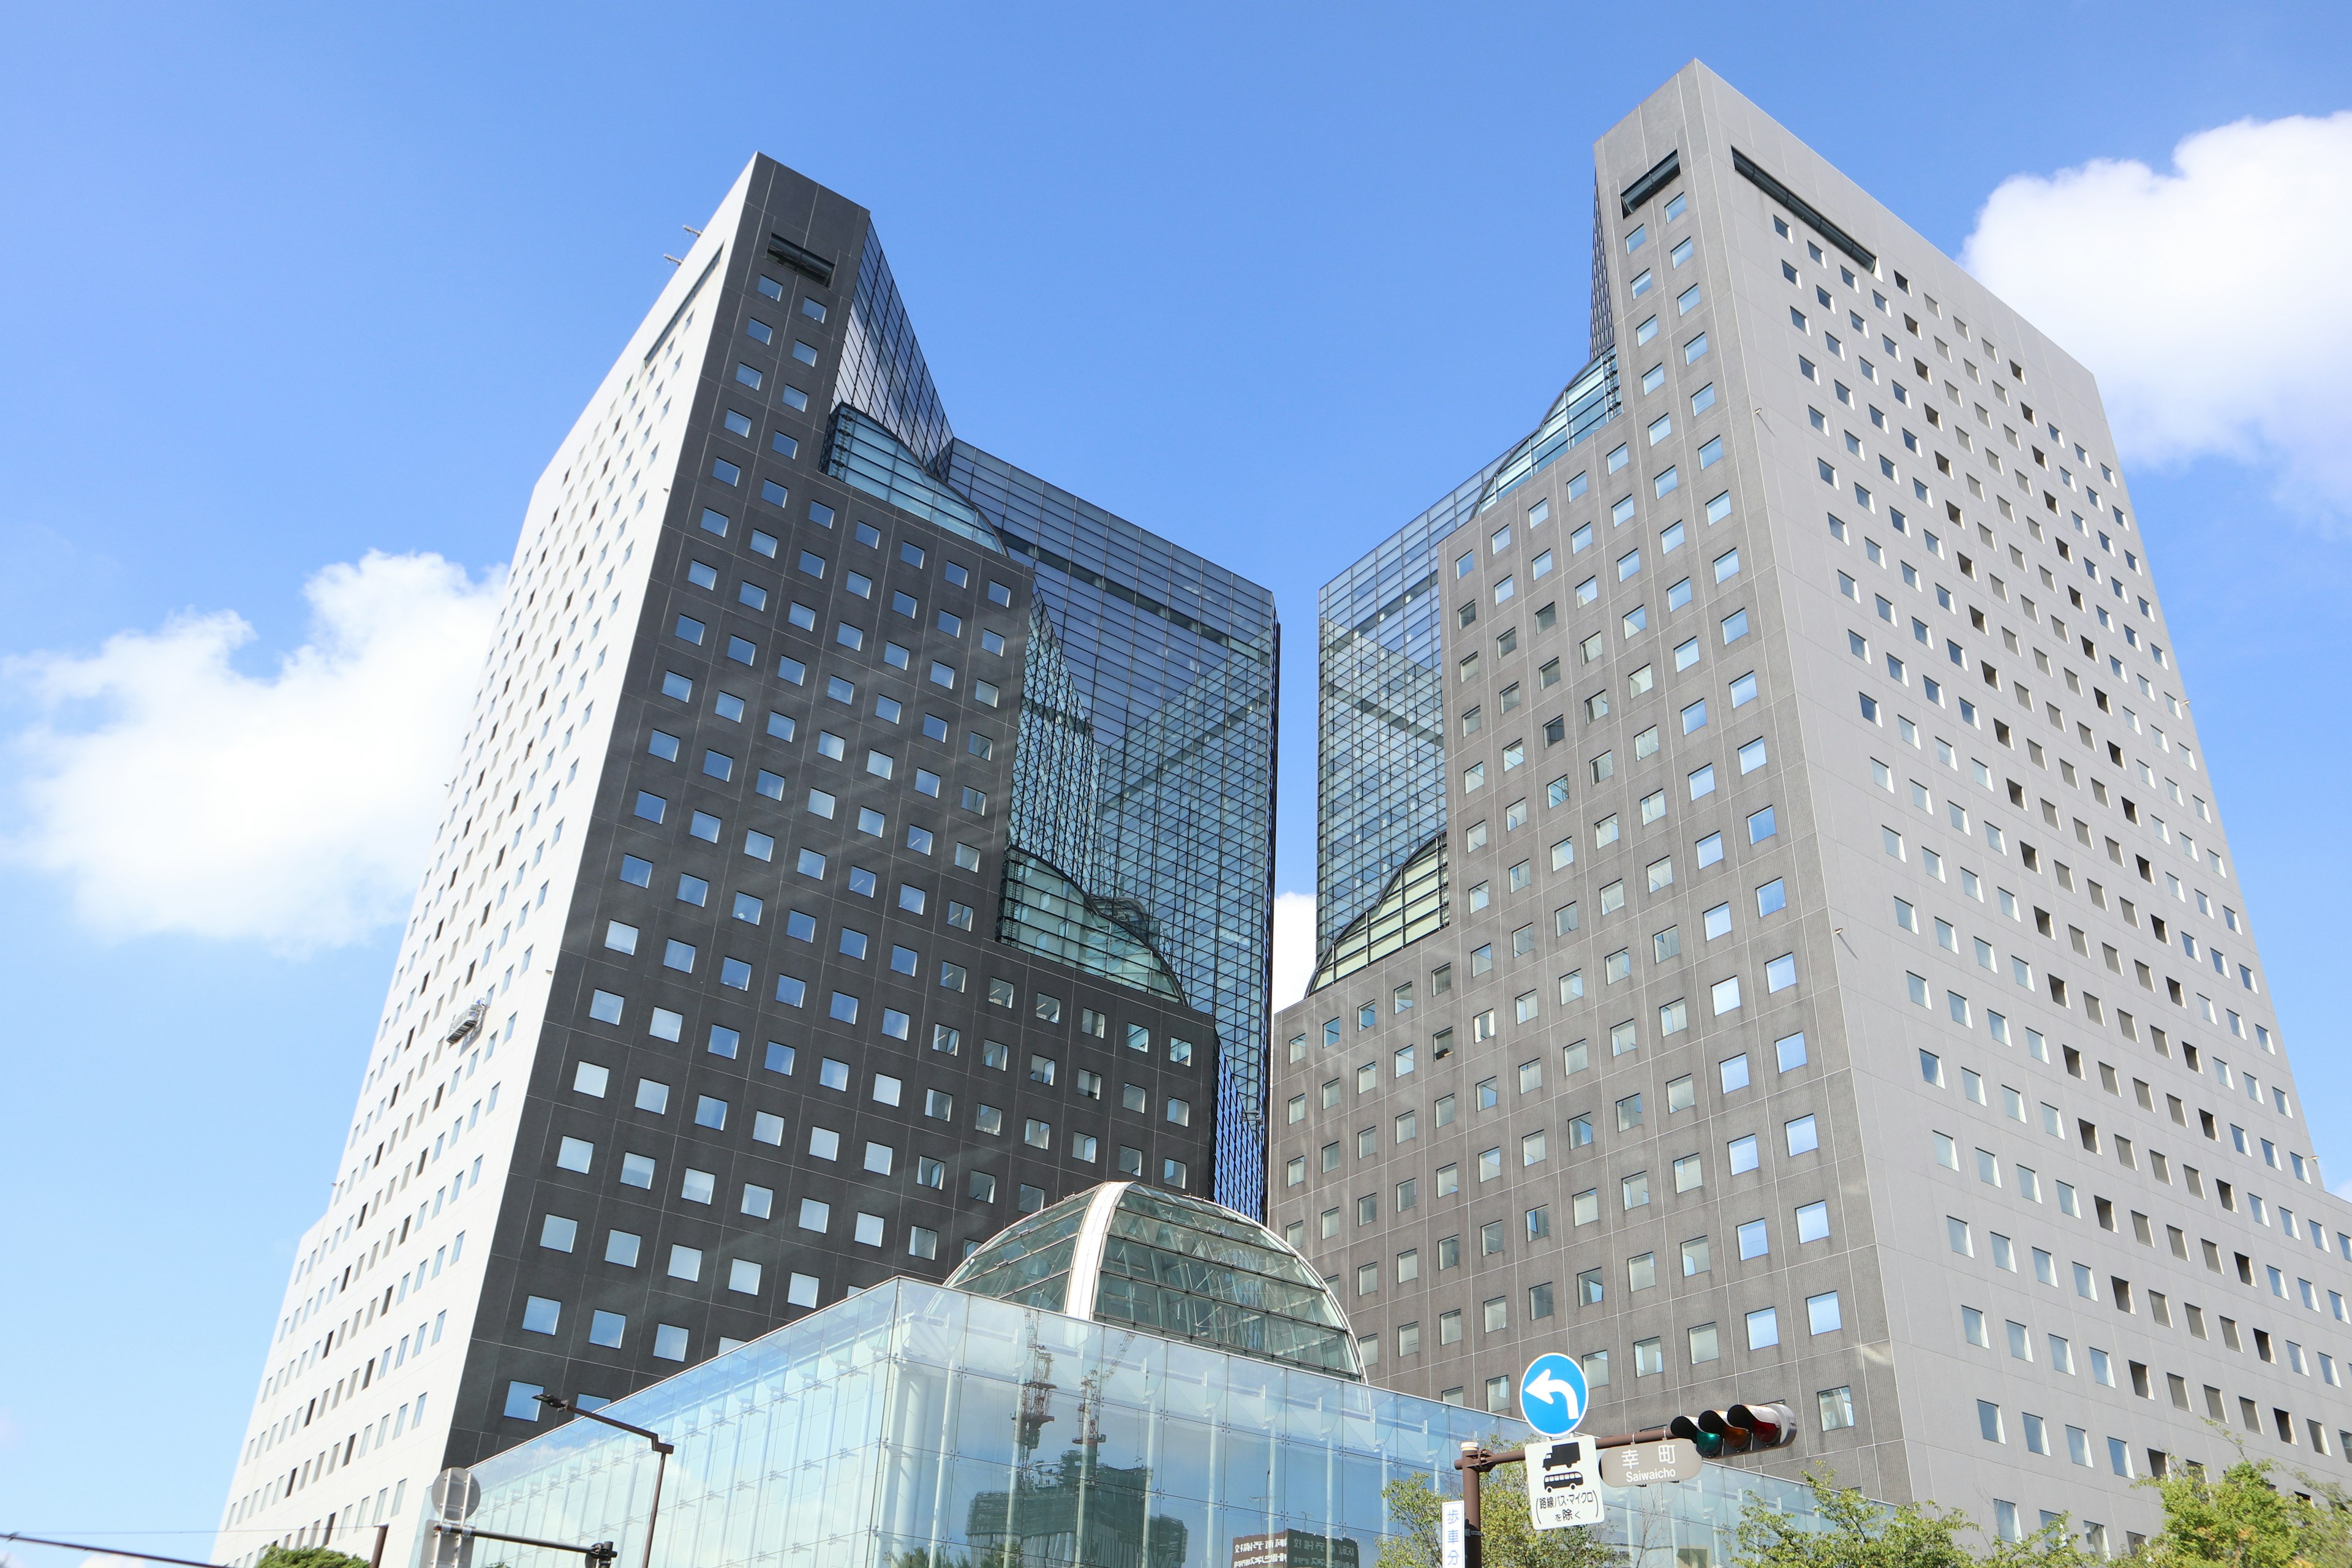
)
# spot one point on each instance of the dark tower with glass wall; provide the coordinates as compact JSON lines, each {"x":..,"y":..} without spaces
{"x":917,"y":872}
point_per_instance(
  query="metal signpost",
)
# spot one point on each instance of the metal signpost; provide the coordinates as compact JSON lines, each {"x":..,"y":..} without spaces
{"x":1562,"y":1489}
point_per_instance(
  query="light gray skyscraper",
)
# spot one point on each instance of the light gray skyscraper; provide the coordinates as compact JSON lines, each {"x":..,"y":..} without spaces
{"x":1777,"y":937}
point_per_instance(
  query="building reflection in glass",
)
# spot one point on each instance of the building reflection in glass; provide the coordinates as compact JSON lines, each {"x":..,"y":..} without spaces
{"x":915,"y":1427}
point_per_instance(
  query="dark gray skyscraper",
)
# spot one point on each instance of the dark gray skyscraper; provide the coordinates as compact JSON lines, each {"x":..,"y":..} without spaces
{"x":857,"y":842}
{"x":1777,"y":935}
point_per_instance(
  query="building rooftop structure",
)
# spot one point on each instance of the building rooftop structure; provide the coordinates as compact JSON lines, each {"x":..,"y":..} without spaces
{"x":1124,"y":1253}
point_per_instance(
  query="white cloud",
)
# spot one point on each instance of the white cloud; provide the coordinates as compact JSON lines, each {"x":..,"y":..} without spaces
{"x":2202,"y":298}
{"x":172,"y":792}
{"x":1294,"y":946}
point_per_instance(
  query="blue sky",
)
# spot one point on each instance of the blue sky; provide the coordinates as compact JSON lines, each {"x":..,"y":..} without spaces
{"x":286,"y":286}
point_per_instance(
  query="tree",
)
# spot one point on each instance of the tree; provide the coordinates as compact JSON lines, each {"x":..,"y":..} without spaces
{"x":1509,"y":1540}
{"x":1852,"y":1531}
{"x":309,"y":1557}
{"x":2244,"y":1520}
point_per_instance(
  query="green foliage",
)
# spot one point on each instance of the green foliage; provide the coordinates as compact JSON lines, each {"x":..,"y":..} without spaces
{"x":1855,"y":1532}
{"x":1509,"y":1540}
{"x":309,"y":1557}
{"x":2244,"y":1520}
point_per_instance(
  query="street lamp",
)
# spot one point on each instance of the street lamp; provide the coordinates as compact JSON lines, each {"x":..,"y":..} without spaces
{"x":662,"y":1451}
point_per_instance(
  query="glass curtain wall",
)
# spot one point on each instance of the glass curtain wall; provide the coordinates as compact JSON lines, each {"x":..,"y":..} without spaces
{"x":1145,"y":768}
{"x":1380,"y":790}
{"x":915,"y":1427}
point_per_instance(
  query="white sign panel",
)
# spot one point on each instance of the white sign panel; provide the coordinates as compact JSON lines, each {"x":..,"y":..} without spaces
{"x":1449,"y":1535}
{"x":1561,"y":1489}
{"x":1640,"y":1464}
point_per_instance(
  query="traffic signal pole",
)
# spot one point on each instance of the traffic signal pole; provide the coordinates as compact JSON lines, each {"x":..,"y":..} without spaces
{"x":1769,"y":1425}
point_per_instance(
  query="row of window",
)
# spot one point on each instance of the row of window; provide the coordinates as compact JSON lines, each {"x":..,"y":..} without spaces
{"x":2037,"y":1436}
{"x":668,"y":1024}
{"x":2028,"y":1183}
{"x":2127,"y":1153}
{"x":712,"y":1112}
{"x":2129,"y":1299}
{"x":1961,"y":1010}
{"x":1732,"y":1074}
{"x":1758,"y":1329}
{"x":1742,"y":1154}
{"x":2067,"y":477}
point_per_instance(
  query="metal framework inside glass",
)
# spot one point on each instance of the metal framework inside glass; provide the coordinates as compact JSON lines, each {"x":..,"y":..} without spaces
{"x":1144,"y":768}
{"x":1143,"y":794}
{"x":1174,"y":1265}
{"x":918,"y":1426}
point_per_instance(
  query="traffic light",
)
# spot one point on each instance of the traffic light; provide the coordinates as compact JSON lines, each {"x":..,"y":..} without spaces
{"x":1740,"y":1429}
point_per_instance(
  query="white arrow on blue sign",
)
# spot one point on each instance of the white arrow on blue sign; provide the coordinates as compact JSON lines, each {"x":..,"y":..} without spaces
{"x":1552,"y":1395}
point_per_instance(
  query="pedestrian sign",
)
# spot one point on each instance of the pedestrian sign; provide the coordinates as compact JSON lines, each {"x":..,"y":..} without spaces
{"x":1552,"y":1393}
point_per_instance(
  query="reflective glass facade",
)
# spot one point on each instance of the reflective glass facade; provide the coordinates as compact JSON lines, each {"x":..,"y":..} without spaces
{"x":1381,"y":752}
{"x":917,"y":1426}
{"x":1182,"y":1268}
{"x":1145,"y":770}
{"x":861,"y":452}
{"x":882,"y":368}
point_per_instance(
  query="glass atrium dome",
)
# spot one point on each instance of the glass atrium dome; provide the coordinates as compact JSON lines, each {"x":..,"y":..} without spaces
{"x":1170,"y":1264}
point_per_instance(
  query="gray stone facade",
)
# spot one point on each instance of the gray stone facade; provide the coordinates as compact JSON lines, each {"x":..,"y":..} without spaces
{"x":1935,"y":995}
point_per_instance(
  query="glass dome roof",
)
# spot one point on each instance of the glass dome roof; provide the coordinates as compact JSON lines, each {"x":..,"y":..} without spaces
{"x":1170,"y":1264}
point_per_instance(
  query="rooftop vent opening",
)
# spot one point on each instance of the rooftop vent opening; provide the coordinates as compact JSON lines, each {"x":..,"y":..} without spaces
{"x":801,"y":259}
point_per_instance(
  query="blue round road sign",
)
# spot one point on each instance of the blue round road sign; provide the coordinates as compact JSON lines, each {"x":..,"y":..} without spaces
{"x":1552,"y":1395}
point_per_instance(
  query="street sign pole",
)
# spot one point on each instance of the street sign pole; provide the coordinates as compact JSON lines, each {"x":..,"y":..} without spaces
{"x":1474,"y":1461}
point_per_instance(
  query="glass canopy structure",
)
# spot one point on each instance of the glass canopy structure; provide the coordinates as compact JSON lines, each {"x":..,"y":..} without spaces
{"x":913,"y":1426}
{"x":1123,"y":1253}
